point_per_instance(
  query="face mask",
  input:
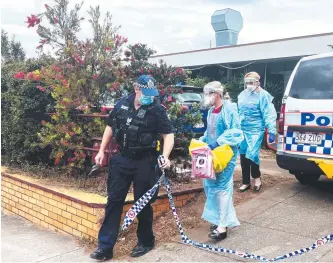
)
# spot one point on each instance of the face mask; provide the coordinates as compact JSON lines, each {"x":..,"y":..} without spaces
{"x":251,"y":87}
{"x":209,"y":100}
{"x":146,"y":100}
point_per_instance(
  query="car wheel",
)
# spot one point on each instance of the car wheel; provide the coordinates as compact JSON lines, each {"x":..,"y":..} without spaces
{"x":307,"y":178}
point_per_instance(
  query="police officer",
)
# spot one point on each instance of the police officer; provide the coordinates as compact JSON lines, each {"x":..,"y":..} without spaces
{"x":135,"y":122}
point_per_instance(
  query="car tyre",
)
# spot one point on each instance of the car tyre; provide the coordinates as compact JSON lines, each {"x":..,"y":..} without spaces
{"x":307,"y":178}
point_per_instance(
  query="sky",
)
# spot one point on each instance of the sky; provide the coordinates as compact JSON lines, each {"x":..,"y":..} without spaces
{"x":180,"y":25}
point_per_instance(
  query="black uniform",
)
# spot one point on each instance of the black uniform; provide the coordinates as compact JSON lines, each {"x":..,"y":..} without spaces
{"x":136,"y":133}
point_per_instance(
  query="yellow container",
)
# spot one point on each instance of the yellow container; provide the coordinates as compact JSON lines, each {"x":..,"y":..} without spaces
{"x":221,"y":154}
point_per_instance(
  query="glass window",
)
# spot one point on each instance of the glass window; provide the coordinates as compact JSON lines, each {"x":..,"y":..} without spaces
{"x":313,"y":80}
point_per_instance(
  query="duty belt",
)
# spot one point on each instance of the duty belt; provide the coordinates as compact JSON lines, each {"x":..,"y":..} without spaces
{"x":136,"y":152}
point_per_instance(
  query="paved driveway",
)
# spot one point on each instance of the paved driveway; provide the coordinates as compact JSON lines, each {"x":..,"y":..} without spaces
{"x":286,"y":217}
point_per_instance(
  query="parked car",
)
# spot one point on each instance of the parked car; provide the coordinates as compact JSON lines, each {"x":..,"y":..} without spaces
{"x":190,"y":96}
{"x":305,"y":130}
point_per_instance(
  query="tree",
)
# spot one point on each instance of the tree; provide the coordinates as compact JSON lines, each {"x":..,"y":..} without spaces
{"x":23,"y":108}
{"x":85,"y":71}
{"x":11,"y":50}
{"x":22,"y":105}
{"x":197,"y":82}
{"x":82,"y":71}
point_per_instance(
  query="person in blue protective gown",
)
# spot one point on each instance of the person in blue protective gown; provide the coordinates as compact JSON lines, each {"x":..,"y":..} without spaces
{"x":256,"y":112}
{"x":223,"y":127}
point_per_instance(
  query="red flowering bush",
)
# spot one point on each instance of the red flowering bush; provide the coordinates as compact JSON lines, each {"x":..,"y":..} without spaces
{"x":32,"y":21}
{"x":86,"y":71}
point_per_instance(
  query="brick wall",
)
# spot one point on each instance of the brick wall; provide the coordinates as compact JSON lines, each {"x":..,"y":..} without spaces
{"x":63,"y":213}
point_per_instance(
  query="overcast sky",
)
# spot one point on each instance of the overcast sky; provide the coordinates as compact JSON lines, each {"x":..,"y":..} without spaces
{"x":179,"y":25}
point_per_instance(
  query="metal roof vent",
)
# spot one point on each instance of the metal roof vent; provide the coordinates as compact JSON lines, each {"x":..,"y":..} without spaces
{"x":226,"y":23}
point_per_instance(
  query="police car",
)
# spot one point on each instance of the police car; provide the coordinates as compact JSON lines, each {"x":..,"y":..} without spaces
{"x":305,"y":125}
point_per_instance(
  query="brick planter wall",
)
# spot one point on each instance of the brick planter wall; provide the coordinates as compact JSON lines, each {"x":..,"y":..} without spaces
{"x":54,"y":210}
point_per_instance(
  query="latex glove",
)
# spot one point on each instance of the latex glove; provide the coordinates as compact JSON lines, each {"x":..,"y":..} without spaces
{"x":213,"y":145}
{"x":271,"y":138}
{"x":163,"y":162}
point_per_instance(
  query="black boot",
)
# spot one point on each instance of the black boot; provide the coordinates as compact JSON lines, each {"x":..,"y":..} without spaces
{"x":140,"y":250}
{"x":212,"y":227}
{"x":217,"y":236}
{"x":102,"y":254}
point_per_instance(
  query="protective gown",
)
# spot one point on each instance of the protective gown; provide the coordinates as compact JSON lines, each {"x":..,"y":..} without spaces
{"x":223,"y":127}
{"x":256,"y":111}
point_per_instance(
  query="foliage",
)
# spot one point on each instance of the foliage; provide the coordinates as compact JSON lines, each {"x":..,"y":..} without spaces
{"x":234,"y":86}
{"x":197,"y":82}
{"x":276,"y":90}
{"x":82,"y":72}
{"x":85,"y":73}
{"x":11,"y":50}
{"x":22,"y":110}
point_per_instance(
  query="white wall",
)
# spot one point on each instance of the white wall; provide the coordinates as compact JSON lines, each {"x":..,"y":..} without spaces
{"x":309,"y":45}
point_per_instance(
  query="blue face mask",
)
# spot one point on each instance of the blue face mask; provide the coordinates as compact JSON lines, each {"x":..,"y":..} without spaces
{"x":146,"y":100}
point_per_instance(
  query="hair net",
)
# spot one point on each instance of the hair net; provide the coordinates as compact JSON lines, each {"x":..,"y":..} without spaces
{"x":252,"y":75}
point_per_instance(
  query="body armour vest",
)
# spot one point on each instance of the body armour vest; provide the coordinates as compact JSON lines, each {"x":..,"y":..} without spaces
{"x":136,"y":130}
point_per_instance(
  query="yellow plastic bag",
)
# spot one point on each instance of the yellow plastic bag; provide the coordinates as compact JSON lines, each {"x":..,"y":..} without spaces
{"x":221,"y":154}
{"x":196,"y":144}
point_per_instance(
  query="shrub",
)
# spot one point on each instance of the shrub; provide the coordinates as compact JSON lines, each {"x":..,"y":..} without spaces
{"x":23,"y":108}
{"x":85,"y":72}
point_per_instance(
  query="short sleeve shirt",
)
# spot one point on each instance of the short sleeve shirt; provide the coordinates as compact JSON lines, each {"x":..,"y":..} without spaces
{"x":158,"y":119}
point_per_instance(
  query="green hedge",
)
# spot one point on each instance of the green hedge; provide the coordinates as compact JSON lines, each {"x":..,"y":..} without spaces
{"x":23,"y":108}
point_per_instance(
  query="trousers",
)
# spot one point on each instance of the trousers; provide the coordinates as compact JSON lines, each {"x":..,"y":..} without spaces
{"x":123,"y":171}
{"x":249,"y":168}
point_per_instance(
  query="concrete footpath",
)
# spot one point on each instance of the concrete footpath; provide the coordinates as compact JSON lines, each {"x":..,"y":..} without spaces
{"x":286,"y":217}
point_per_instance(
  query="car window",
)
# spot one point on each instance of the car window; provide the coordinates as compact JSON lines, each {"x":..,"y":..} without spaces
{"x":187,"y":96}
{"x":313,"y":80}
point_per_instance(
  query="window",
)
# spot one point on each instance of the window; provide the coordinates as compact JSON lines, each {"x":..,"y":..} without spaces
{"x":186,"y":96}
{"x":313,"y":80}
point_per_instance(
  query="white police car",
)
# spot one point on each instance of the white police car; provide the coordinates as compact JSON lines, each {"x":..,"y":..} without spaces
{"x":305,"y":139}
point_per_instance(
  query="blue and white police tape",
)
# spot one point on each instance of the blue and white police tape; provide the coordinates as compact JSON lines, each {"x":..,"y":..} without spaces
{"x":143,"y":201}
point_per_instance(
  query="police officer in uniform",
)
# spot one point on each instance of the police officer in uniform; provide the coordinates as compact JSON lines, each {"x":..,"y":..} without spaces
{"x":135,"y":122}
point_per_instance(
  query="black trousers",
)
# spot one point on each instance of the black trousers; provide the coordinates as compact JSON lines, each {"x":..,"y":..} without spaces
{"x":123,"y":171}
{"x":249,"y":168}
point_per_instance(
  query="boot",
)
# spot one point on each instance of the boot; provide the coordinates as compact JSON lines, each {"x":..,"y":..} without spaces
{"x":141,"y":250}
{"x":102,"y":254}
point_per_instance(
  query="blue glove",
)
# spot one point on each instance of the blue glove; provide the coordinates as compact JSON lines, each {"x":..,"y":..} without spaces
{"x":213,"y":145}
{"x":271,"y":138}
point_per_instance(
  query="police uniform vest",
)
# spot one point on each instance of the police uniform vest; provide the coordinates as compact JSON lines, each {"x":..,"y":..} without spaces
{"x":135,"y":130}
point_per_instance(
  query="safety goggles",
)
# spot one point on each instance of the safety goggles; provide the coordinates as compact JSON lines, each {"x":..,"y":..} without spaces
{"x":250,"y":81}
{"x":209,"y":93}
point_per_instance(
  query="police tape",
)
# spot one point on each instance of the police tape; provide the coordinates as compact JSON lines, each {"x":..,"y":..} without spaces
{"x":144,"y":200}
